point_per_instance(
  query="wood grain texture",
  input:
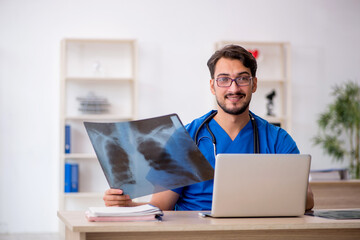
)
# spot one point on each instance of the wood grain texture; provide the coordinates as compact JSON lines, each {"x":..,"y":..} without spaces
{"x":188,"y":225}
{"x":336,"y":194}
{"x":241,"y":235}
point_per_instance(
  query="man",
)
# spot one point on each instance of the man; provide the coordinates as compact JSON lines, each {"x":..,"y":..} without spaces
{"x":233,"y":81}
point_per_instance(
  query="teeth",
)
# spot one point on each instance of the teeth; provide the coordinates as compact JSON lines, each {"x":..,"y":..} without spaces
{"x":235,"y":96}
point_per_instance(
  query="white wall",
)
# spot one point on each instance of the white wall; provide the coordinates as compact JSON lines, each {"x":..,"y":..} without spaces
{"x":175,"y":40}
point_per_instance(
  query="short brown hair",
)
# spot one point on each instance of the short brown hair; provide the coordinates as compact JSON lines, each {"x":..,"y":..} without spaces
{"x":233,"y":52}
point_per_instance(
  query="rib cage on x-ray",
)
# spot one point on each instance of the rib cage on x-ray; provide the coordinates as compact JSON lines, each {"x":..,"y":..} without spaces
{"x":148,"y":156}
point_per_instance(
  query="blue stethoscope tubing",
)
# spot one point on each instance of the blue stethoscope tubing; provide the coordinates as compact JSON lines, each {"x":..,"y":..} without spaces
{"x":213,"y":139}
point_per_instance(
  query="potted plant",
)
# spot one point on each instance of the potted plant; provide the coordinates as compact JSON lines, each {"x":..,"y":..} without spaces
{"x":339,"y":126}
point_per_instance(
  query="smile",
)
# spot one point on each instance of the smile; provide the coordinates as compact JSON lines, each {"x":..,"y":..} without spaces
{"x":234,"y":97}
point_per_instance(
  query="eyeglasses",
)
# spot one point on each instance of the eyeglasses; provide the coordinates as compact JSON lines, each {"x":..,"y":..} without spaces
{"x":240,"y":81}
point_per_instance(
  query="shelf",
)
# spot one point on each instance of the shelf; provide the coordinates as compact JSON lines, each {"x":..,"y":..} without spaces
{"x":98,"y":117}
{"x":273,"y":119}
{"x":100,"y":79}
{"x":273,"y":93}
{"x":80,"y":156}
{"x":84,"y":195}
{"x":99,"y":40}
{"x":106,"y":68}
{"x":271,"y":81}
{"x":256,"y":43}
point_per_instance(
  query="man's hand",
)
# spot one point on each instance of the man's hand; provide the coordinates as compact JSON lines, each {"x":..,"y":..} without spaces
{"x":115,"y":198}
{"x":164,"y":200}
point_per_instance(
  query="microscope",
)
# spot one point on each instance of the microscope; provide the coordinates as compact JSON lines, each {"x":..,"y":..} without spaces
{"x":270,"y":104}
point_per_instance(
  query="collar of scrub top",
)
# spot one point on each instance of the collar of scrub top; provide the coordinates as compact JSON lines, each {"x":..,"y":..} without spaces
{"x":213,"y":139}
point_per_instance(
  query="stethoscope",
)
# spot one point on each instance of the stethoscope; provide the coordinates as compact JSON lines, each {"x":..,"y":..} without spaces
{"x":213,"y":139}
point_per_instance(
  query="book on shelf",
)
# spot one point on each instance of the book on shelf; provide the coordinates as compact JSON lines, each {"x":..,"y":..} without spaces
{"x":145,"y":212}
{"x":71,"y":177}
{"x":67,"y":139}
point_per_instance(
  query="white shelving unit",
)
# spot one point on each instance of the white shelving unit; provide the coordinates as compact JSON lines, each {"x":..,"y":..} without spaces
{"x":106,"y":68}
{"x":273,"y":73}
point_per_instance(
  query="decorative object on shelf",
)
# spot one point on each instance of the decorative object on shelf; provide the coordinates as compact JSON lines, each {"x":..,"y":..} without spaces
{"x":98,"y":69}
{"x":93,"y":104}
{"x":67,"y":139}
{"x":71,"y":177}
{"x":270,"y":103}
{"x":254,"y":52}
{"x":339,"y":126}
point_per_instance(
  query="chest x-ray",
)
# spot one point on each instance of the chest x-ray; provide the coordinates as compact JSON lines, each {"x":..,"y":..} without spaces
{"x":148,"y":156}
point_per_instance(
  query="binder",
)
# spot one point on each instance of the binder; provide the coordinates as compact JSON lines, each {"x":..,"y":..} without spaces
{"x":67,"y":177}
{"x":74,"y":177}
{"x":67,"y":138}
{"x":71,"y":177}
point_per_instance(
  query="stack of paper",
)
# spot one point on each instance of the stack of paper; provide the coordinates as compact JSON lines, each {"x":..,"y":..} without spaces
{"x":93,"y":104}
{"x":120,"y":214}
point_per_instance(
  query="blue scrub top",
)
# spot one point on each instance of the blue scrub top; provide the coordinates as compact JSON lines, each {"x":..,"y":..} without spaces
{"x":272,"y":140}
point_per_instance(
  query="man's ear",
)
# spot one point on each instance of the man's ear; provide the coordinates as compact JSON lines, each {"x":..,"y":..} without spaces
{"x":254,"y":85}
{"x":212,"y":88}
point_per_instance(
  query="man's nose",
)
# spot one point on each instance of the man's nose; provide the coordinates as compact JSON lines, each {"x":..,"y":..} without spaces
{"x":233,"y":85}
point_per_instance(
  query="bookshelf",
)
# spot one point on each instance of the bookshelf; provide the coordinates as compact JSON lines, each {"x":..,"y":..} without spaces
{"x":273,"y":73}
{"x":106,"y":69}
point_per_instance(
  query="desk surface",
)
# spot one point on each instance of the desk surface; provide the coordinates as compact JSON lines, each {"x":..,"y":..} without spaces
{"x":189,"y":222}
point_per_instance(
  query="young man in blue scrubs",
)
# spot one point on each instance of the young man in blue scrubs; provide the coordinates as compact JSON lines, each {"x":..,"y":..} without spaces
{"x":233,"y":81}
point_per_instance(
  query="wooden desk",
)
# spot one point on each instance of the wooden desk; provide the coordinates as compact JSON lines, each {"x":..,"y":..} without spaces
{"x":188,"y":225}
{"x":336,"y":194}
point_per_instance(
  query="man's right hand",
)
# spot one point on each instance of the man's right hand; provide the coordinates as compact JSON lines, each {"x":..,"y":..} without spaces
{"x":116,"y":198}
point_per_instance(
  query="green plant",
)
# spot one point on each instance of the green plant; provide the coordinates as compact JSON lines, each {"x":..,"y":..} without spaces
{"x":339,"y":126}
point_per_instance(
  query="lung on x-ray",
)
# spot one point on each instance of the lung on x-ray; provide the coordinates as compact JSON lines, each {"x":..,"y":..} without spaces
{"x":148,"y":156}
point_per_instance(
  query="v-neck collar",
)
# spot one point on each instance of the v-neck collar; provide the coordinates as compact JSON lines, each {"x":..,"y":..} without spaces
{"x":226,"y":142}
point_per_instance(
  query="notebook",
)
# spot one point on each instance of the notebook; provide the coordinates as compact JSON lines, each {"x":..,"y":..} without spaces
{"x":260,"y":185}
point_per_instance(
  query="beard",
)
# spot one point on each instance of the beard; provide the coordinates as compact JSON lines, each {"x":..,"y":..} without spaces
{"x":234,"y":111}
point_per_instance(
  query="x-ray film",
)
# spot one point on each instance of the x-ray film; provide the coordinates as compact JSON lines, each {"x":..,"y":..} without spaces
{"x":148,"y":156}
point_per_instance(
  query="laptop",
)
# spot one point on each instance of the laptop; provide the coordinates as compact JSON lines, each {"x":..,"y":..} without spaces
{"x":260,"y":185}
